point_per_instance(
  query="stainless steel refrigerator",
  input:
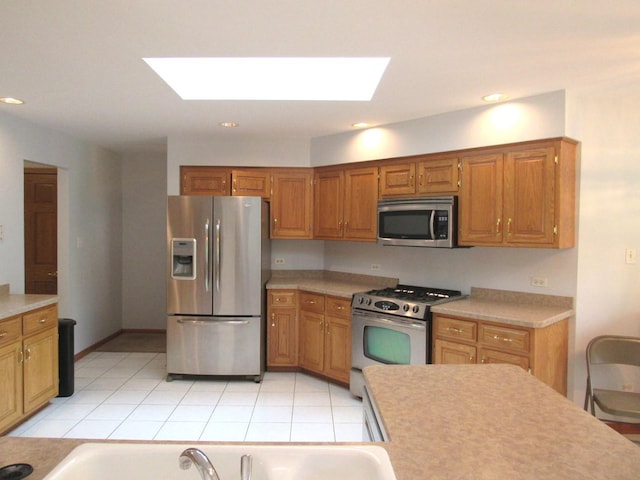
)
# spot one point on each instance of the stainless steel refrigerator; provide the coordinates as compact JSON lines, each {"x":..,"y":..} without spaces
{"x":218,"y":265}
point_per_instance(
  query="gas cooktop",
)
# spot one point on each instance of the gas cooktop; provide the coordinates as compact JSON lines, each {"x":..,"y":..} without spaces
{"x":405,"y":300}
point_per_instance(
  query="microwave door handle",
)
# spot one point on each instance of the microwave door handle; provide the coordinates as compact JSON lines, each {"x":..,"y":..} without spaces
{"x":432,"y":219}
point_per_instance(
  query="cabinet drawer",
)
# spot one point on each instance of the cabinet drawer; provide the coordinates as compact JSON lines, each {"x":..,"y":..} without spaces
{"x":493,"y":356}
{"x":339,"y":307}
{"x":505,"y":338}
{"x":10,"y":330}
{"x":456,"y":329}
{"x":312,"y":302}
{"x":39,"y":320}
{"x":282,"y":298}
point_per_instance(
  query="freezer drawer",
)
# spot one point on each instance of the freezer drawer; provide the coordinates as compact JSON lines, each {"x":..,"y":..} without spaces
{"x":215,"y":346}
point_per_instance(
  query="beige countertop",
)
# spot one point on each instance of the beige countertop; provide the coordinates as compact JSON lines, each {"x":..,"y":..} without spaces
{"x":17,"y":304}
{"x":514,"y":308}
{"x":339,"y":284}
{"x":491,"y":422}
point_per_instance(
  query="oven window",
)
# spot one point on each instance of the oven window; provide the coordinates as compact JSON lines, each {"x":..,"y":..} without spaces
{"x":411,"y":224}
{"x":386,"y":345}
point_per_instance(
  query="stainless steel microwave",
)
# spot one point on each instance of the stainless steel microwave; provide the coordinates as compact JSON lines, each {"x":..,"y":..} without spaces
{"x":418,"y":222}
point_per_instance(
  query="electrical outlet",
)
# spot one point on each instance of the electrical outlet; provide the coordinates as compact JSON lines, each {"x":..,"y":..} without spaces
{"x":279,"y":261}
{"x":630,"y":255}
{"x":375,"y":266}
{"x":539,"y":281}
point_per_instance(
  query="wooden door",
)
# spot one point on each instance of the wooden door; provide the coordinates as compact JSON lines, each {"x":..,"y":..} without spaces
{"x":337,"y":348}
{"x":328,"y":205}
{"x":311,"y":342}
{"x":480,"y":206}
{"x":495,"y":356}
{"x":439,"y":175}
{"x":361,"y":204}
{"x":529,"y":178}
{"x":453,"y":353}
{"x":291,"y":205}
{"x":41,"y":230}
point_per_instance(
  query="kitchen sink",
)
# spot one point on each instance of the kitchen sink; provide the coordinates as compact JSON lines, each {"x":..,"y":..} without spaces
{"x":159,"y":461}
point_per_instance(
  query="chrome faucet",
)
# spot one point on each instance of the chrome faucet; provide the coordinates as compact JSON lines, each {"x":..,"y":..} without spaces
{"x":196,"y":456}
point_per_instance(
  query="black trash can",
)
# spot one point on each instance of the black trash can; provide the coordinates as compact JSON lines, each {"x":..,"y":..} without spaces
{"x":65,"y":356}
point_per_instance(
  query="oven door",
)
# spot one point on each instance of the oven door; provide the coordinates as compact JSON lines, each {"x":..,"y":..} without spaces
{"x":383,"y":339}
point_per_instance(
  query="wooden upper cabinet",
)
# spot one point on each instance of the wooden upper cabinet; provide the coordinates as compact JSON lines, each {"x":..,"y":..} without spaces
{"x":202,"y":180}
{"x":438,"y":175}
{"x":252,"y":183}
{"x":291,"y":204}
{"x":522,"y":195}
{"x":397,"y":179}
{"x":345,"y":204}
{"x":480,"y":203}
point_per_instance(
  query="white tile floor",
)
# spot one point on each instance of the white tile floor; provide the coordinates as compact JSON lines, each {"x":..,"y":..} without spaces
{"x":125,"y":396}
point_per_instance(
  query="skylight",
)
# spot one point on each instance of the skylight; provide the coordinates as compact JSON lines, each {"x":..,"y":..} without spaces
{"x":272,"y":78}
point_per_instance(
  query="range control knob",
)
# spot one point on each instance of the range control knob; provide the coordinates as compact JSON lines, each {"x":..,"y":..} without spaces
{"x":416,"y":309}
{"x":406,"y":307}
{"x":361,"y":300}
{"x":367,"y":301}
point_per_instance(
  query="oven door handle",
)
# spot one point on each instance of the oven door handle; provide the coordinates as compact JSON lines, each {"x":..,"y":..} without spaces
{"x":387,"y":321}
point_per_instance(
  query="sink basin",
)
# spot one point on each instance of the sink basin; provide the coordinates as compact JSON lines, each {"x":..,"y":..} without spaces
{"x":147,"y":461}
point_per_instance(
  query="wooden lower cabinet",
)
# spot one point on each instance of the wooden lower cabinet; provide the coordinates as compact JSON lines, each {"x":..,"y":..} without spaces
{"x":325,"y":335}
{"x":282,"y":332}
{"x":28,"y":364}
{"x":542,"y":351}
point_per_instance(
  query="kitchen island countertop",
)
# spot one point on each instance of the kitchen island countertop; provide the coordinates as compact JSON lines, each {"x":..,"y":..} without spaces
{"x":16,"y":304}
{"x":492,"y":422}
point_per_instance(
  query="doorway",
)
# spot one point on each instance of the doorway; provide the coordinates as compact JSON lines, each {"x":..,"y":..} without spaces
{"x":41,"y":230}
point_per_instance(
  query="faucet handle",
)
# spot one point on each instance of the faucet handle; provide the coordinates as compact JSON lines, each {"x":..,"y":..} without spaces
{"x":245,"y":467}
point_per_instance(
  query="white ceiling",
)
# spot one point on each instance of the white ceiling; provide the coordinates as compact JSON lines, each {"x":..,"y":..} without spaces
{"x":78,"y":63}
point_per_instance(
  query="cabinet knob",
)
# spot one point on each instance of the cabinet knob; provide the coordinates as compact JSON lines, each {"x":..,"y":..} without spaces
{"x":43,"y":320}
{"x":498,"y":225}
{"x":273,"y":324}
{"x":3,"y":334}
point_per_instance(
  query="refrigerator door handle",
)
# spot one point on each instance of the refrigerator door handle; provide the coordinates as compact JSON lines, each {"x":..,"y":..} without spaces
{"x":216,"y":322}
{"x":206,"y":256}
{"x":217,"y":256}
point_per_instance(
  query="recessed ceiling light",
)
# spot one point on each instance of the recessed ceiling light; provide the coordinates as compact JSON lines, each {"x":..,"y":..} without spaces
{"x":360,"y":125}
{"x":272,"y":78}
{"x":494,"y":97}
{"x":229,"y":124}
{"x":11,"y":101}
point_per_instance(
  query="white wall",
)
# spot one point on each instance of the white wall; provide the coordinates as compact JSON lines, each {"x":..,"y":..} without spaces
{"x":144,"y":180}
{"x":89,"y":224}
{"x":608,"y":289}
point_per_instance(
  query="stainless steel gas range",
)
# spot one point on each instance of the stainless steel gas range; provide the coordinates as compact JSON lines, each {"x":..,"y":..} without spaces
{"x":392,"y":326}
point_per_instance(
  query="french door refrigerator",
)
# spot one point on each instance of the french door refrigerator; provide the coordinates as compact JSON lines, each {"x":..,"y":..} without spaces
{"x":218,"y":265}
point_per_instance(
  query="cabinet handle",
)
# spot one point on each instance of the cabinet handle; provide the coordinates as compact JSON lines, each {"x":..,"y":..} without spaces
{"x":482,"y":360}
{"x":42,"y":320}
{"x":273,"y":316}
{"x":454,"y":330}
{"x":504,"y":339}
{"x":420,"y":179}
{"x":273,"y":324}
{"x":312,"y":302}
{"x":20,"y":356}
{"x":3,"y":334}
{"x":339,"y":307}
{"x":471,"y":358}
{"x":508,"y":225}
{"x":235,"y":185}
{"x":498,"y":225}
{"x":28,"y":355}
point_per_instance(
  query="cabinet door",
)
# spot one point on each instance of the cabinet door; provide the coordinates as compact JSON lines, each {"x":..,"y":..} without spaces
{"x":311,"y":341}
{"x":438,"y":176}
{"x":361,"y":204}
{"x":397,"y":179}
{"x":40,"y":368}
{"x":281,"y":337}
{"x":10,"y":384}
{"x":480,"y":206}
{"x":291,"y":205}
{"x":495,"y":356}
{"x":253,"y":183}
{"x":453,"y":353}
{"x":529,"y":180}
{"x":337,"y":348}
{"x":198,"y":180}
{"x":328,"y":205}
